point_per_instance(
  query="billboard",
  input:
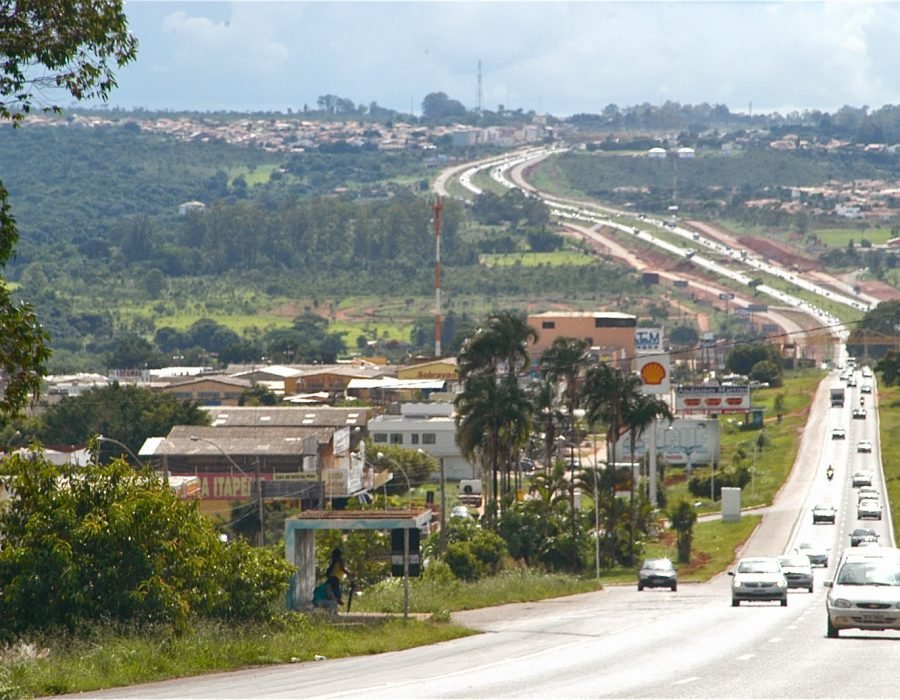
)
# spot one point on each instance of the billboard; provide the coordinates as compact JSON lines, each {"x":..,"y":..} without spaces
{"x":712,"y":399}
{"x":686,"y":438}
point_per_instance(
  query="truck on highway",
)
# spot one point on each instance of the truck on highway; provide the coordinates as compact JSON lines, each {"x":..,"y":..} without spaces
{"x":837,"y":397}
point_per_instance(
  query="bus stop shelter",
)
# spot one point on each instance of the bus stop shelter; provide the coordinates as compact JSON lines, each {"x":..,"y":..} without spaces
{"x":300,"y":543}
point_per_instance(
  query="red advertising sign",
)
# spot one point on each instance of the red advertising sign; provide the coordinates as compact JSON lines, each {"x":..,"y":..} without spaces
{"x":712,"y":399}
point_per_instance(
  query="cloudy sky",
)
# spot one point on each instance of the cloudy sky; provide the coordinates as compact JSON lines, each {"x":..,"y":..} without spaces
{"x":554,"y":56}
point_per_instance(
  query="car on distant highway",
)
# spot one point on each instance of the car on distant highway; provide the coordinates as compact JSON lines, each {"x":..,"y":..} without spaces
{"x":758,"y":578}
{"x":861,"y":479}
{"x":817,"y":554}
{"x":823,"y":513}
{"x":838,"y":434}
{"x":864,"y":446}
{"x":860,"y":413}
{"x":867,"y":492}
{"x":657,"y":573}
{"x":868,"y":508}
{"x":797,"y":571}
{"x":866,"y":388}
{"x":859,"y":533}
{"x":865,"y":592}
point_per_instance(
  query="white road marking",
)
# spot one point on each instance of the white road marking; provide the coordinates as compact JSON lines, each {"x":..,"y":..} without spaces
{"x":745,"y":657}
{"x":689,"y":679}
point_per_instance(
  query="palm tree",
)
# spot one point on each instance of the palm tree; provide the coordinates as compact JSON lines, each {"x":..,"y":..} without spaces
{"x":492,"y":421}
{"x":607,"y":391}
{"x":548,"y":419}
{"x":640,"y":413}
{"x":501,"y":343}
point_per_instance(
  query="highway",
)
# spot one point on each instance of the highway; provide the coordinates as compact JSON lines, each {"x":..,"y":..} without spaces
{"x":623,"y":643}
{"x":703,"y":251}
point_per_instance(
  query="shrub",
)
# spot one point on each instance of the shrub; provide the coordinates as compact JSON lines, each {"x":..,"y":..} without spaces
{"x":105,"y":543}
{"x":463,"y":562}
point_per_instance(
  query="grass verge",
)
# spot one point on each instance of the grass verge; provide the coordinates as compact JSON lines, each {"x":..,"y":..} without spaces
{"x":889,"y":427}
{"x":108,"y":659}
{"x":440,"y":597}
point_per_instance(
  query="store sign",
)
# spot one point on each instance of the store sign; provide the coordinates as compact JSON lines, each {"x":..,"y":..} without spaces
{"x":648,"y":339}
{"x":231,"y":487}
{"x":654,"y":371}
{"x":712,"y":399}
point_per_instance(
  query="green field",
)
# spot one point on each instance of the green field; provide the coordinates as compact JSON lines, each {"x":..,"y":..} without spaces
{"x":840,"y":237}
{"x":562,"y":257}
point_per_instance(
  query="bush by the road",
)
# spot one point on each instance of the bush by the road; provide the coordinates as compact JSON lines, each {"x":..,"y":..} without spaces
{"x":106,"y":543}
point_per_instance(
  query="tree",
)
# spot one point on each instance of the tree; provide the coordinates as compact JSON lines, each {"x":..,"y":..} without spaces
{"x":77,"y":44}
{"x":100,"y":543}
{"x":683,"y":517}
{"x":129,"y":414}
{"x":502,"y":344}
{"x":767,"y":372}
{"x":640,"y":413}
{"x":889,"y":366}
{"x":492,"y":421}
{"x":744,"y":356}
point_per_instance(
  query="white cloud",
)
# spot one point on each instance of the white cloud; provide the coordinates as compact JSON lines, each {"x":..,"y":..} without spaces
{"x":562,"y":57}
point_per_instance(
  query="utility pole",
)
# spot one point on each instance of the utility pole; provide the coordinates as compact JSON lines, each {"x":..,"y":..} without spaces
{"x":261,"y":538}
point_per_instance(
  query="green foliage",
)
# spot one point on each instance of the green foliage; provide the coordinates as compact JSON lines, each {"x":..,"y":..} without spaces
{"x":739,"y":477}
{"x":682,"y":518}
{"x":880,"y":322}
{"x":889,"y":366}
{"x":129,"y":414}
{"x":463,"y":562}
{"x":744,"y":357}
{"x":104,"y":542}
{"x":75,"y":46}
{"x":768,"y":372}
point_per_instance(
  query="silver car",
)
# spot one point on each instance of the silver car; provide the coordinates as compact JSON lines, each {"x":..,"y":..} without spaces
{"x":758,"y":578}
{"x":797,"y":570}
{"x":865,"y":593}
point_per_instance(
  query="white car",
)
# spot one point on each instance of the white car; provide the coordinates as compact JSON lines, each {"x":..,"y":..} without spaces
{"x":865,"y":592}
{"x":758,"y":578}
{"x":459,"y":512}
{"x":864,"y":446}
{"x":868,"y":508}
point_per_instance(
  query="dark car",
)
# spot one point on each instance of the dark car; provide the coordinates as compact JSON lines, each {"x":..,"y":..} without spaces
{"x":861,"y":533}
{"x":657,"y":573}
{"x":822,"y":513}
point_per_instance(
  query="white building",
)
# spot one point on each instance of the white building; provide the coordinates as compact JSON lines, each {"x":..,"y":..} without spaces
{"x":430,"y":427}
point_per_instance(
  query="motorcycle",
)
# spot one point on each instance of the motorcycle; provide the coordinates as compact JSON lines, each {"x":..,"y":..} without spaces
{"x":829,"y":473}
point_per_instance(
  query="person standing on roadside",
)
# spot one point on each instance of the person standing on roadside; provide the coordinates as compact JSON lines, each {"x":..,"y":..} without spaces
{"x":336,"y":571}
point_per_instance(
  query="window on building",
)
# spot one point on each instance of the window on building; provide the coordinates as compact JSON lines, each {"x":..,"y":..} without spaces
{"x":379,"y":437}
{"x":396,"y":438}
{"x":548,"y":324}
{"x":414,"y":439}
{"x":428,"y":438}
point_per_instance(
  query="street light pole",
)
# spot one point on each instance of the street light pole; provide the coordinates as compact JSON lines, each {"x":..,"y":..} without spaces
{"x":260,"y":539}
{"x":103,"y":438}
{"x":382,"y":455}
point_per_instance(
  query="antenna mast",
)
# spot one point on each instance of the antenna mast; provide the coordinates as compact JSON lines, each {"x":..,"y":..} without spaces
{"x":438,"y":206}
{"x":480,"y":93}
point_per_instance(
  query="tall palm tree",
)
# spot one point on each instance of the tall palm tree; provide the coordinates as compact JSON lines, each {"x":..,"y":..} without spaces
{"x":607,"y":391}
{"x":640,"y":413}
{"x":492,"y":421}
{"x":549,"y":420}
{"x":565,"y":362}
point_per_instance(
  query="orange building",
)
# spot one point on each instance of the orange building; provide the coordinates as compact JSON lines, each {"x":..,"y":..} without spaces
{"x":610,"y":330}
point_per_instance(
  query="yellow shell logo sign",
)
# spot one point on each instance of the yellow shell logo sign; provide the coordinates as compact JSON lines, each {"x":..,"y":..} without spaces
{"x":653,"y":373}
